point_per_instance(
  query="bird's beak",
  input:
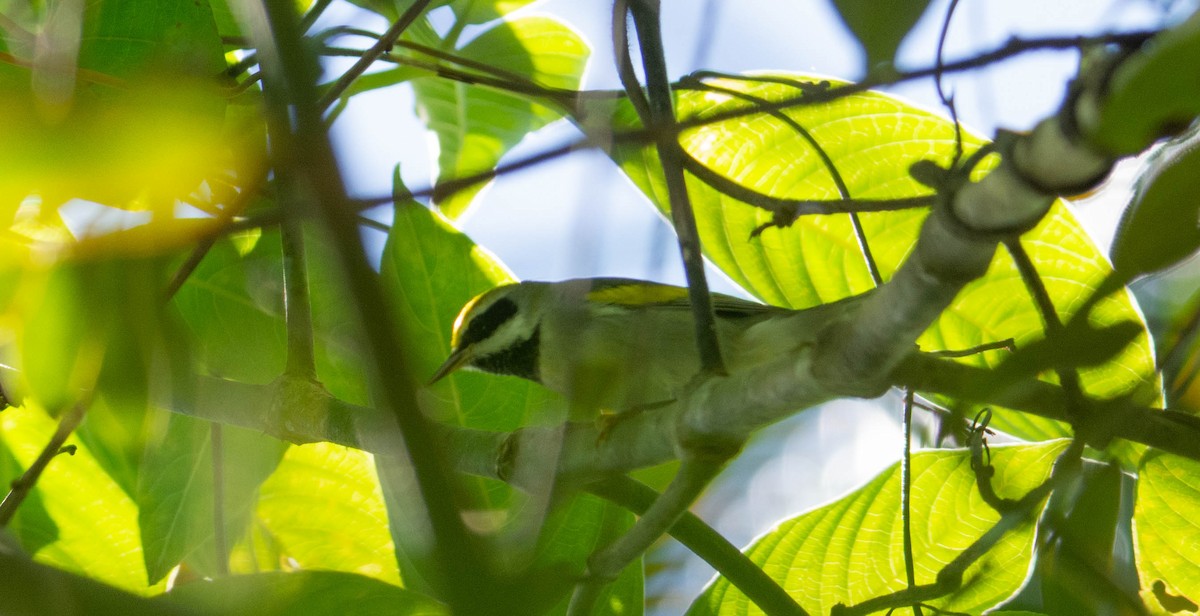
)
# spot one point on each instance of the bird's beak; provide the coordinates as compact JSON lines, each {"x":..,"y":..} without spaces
{"x":456,"y":360}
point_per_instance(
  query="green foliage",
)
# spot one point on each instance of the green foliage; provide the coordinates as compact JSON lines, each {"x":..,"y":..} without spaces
{"x":1157,"y":228}
{"x":303,"y":592}
{"x":1149,"y":101}
{"x":851,"y":550}
{"x":879,"y":29}
{"x":430,"y":270}
{"x":476,"y":125}
{"x":181,"y":309}
{"x":1168,"y":500}
{"x":816,"y":259}
{"x":85,"y":524}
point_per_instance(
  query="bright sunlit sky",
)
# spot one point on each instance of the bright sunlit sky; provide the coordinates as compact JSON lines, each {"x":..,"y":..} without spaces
{"x":581,"y":217}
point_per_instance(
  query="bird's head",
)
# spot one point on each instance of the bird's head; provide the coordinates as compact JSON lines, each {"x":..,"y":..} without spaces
{"x":498,"y":331}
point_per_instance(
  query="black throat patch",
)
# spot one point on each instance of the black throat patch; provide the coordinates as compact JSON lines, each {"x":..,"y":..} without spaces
{"x":520,"y":359}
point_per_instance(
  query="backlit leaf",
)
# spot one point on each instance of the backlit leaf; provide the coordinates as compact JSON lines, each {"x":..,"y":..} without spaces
{"x":852,"y":550}
{"x":872,"y":140}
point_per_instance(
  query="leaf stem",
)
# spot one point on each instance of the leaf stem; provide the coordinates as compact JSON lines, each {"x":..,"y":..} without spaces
{"x":906,"y":497}
{"x":694,"y":475}
{"x":708,"y":544}
{"x":301,"y":362}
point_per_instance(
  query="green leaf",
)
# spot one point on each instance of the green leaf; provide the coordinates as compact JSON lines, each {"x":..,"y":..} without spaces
{"x":233,"y":304}
{"x":879,"y":27}
{"x":481,"y":11}
{"x":1145,"y":99}
{"x":429,"y":271}
{"x":302,"y":593}
{"x":851,"y":550}
{"x":1166,"y":529}
{"x":175,"y":491}
{"x":323,"y":506}
{"x":93,"y":325}
{"x":872,"y":140}
{"x":476,"y":125}
{"x":1159,"y":227}
{"x":126,"y":37}
{"x":32,"y":588}
{"x":89,"y":524}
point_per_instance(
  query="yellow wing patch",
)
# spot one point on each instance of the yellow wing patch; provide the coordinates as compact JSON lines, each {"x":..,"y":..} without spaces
{"x":638,"y":295}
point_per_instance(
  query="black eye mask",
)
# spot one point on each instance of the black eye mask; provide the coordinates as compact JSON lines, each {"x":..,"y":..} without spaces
{"x":484,"y":325}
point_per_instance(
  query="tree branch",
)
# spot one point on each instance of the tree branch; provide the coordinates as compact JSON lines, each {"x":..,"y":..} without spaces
{"x":25,"y":483}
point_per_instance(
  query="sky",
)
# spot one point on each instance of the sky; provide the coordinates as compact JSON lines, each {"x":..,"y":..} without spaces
{"x":579,"y":216}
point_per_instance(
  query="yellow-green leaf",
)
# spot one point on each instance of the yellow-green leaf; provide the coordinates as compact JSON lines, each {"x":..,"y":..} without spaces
{"x":852,"y":550}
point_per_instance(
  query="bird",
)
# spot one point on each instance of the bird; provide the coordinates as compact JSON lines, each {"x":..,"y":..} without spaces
{"x":618,"y":344}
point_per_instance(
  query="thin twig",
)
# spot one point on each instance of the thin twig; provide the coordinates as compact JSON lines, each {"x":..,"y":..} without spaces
{"x":382,"y":46}
{"x":646,"y":19}
{"x":708,"y":544}
{"x":947,"y":101}
{"x":1008,"y":344}
{"x":558,"y":96}
{"x":906,"y":498}
{"x":1069,"y":377}
{"x":843,"y":190}
{"x":313,"y":14}
{"x":788,"y":210}
{"x":22,"y":486}
{"x":694,"y":475}
{"x":622,"y":56}
{"x":950,"y":578}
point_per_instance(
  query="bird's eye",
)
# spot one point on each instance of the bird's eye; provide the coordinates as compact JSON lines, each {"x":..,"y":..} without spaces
{"x":488,"y":321}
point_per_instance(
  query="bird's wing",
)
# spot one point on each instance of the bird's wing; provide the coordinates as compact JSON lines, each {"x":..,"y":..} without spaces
{"x":627,"y":292}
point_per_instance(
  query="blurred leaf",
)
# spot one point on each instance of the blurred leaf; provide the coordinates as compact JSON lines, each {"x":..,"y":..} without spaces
{"x":476,"y":125}
{"x":116,"y":435}
{"x":1076,"y":568}
{"x":302,"y":593}
{"x":91,"y":325}
{"x":32,"y":588}
{"x":872,"y":140}
{"x":233,"y":304}
{"x":851,"y":550}
{"x":175,"y":490}
{"x":880,"y":26}
{"x":480,"y":11}
{"x":430,"y":270}
{"x":126,"y":37}
{"x":1161,"y":225}
{"x":1145,"y":99}
{"x":1166,"y":528}
{"x":95,"y":530}
{"x":134,"y":122}
{"x":324,"y":507}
